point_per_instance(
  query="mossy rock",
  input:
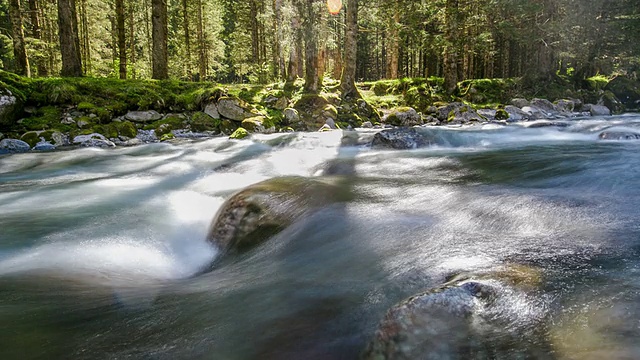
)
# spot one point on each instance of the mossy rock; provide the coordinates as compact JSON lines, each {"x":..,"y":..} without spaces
{"x":85,"y":106}
{"x":502,"y":114}
{"x":612,"y":102}
{"x":47,"y":117}
{"x":126,"y":128}
{"x":203,"y":122}
{"x":31,"y":138}
{"x":109,"y":131}
{"x":626,"y":90}
{"x":256,"y":213}
{"x":167,"y":137}
{"x":84,"y":122}
{"x":239,"y":134}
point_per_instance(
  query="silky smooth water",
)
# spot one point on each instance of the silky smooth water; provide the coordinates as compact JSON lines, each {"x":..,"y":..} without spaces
{"x":103,"y":252}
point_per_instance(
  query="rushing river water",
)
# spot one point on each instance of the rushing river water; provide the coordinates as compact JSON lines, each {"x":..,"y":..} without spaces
{"x":103,"y":252}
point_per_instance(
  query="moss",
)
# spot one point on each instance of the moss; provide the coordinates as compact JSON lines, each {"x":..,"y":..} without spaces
{"x":126,"y":128}
{"x":109,"y":131}
{"x":31,"y":138}
{"x":203,"y":122}
{"x":84,"y":122}
{"x":227,"y":127}
{"x":166,"y":137}
{"x":45,"y":118}
{"x":240,"y":133}
{"x":86,"y":106}
{"x":502,"y":114}
{"x":330,"y":111}
{"x":597,"y":83}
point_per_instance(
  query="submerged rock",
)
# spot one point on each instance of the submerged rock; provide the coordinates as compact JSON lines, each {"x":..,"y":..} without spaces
{"x":463,"y":319}
{"x":400,"y":139}
{"x":619,"y":135}
{"x":260,"y":211}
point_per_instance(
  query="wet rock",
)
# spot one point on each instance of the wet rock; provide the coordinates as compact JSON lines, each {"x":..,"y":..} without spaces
{"x":14,"y":146}
{"x":463,"y":319}
{"x":98,"y":143}
{"x":234,"y":108}
{"x":546,"y":106}
{"x":520,"y":103}
{"x":565,"y":106}
{"x":212,"y":110}
{"x":60,"y":139}
{"x":598,"y":110}
{"x":618,"y":135}
{"x":240,"y":133}
{"x":44,"y":146}
{"x":544,"y":123}
{"x":143,"y":116}
{"x":535,"y":113}
{"x":488,"y":114}
{"x":405,"y":116}
{"x":626,"y":90}
{"x":291,"y":116}
{"x":457,"y":113}
{"x":83,"y":138}
{"x":254,"y":124}
{"x":400,"y":139}
{"x":147,"y":135}
{"x":367,"y":125}
{"x":260,"y":211}
{"x":10,"y":107}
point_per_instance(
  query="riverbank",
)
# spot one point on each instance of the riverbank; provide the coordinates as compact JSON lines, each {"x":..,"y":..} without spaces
{"x":48,"y":113}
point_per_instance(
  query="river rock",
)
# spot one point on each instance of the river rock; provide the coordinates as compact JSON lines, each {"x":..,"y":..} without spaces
{"x":143,"y":116}
{"x":60,"y":139}
{"x":462,"y":319}
{"x":400,"y":139}
{"x":44,"y":146}
{"x":618,"y":135}
{"x":566,"y":106}
{"x":544,"y":123}
{"x":520,"y":102}
{"x":98,"y":143}
{"x":367,"y":125}
{"x":14,"y":146}
{"x":212,"y":110}
{"x":291,"y":115}
{"x":488,"y":114}
{"x":457,"y":113}
{"x":405,"y":116}
{"x":515,"y":113}
{"x":535,"y":113}
{"x":10,"y":107}
{"x":260,"y":211}
{"x":546,"y":106}
{"x":626,"y":90}
{"x":254,"y":124}
{"x":147,"y":136}
{"x":234,"y":108}
{"x":598,"y":110}
{"x":84,"y":138}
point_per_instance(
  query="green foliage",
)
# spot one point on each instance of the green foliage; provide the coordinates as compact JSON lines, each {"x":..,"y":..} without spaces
{"x":203,"y":122}
{"x":240,"y":133}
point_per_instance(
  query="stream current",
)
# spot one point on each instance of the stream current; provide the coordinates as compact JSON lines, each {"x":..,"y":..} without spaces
{"x":103,"y":252}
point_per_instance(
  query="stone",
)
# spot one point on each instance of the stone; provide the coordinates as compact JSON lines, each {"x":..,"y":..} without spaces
{"x":457,"y":113}
{"x":609,"y":100}
{"x":212,"y":110}
{"x":147,"y":136}
{"x":598,"y":110}
{"x":143,"y":116}
{"x":68,"y":121}
{"x":565,"y":106}
{"x":11,"y":107}
{"x":99,"y":143}
{"x":546,"y":106}
{"x":545,"y":123}
{"x":367,"y":125}
{"x":406,"y":116}
{"x":515,"y":113}
{"x":234,"y":108}
{"x":535,"y":113}
{"x":82,"y":124}
{"x":84,"y":138}
{"x":331,"y":124}
{"x":260,"y":211}
{"x":400,"y":139}
{"x":14,"y":146}
{"x":239,"y":134}
{"x":291,"y":116}
{"x":60,"y":139}
{"x":520,"y":102}
{"x":44,"y":146}
{"x":282,"y":103}
{"x":254,"y":124}
{"x":132,"y":142}
{"x":626,"y":91}
{"x":488,"y":114}
{"x":618,"y":135}
{"x":325,"y":128}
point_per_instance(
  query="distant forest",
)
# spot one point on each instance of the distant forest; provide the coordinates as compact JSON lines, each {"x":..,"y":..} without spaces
{"x":259,"y":41}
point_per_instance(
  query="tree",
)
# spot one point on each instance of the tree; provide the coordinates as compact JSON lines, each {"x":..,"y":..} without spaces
{"x":450,"y":53}
{"x":312,"y":80}
{"x":348,"y":80}
{"x":19,"y":50}
{"x":69,"y":40}
{"x":159,"y":39}
{"x":122,"y":44}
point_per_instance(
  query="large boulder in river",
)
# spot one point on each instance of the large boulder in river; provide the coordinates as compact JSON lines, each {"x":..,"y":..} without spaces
{"x":457,"y":113}
{"x":404,"y":116}
{"x":13,"y":146}
{"x":464,"y":319}
{"x":515,"y":113}
{"x":626,"y":90}
{"x":598,"y":110}
{"x":260,"y":211}
{"x":400,"y":139}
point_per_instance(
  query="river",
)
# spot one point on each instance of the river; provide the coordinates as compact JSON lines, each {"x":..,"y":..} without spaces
{"x":103,"y":252}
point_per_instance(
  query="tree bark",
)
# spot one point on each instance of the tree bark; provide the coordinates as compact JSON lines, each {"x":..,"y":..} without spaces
{"x":122,"y":44}
{"x":394,"y":46}
{"x":19,"y":49}
{"x":450,"y":53}
{"x":159,"y":38}
{"x":187,"y":36}
{"x":69,"y":40}
{"x":348,"y":80}
{"x":36,"y":32}
{"x":202,"y":46}
{"x":312,"y":80}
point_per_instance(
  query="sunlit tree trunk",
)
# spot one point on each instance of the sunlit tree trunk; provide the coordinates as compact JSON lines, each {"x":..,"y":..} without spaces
{"x":348,"y":80}
{"x":122,"y":45}
{"x":202,"y":46}
{"x":69,"y":39}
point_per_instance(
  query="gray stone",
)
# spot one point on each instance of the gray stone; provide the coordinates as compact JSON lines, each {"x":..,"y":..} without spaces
{"x":367,"y":125}
{"x":618,"y":135}
{"x":598,"y":110}
{"x":14,"y":146}
{"x":400,"y":139}
{"x":488,"y":114}
{"x":234,"y":109}
{"x":84,"y":138}
{"x":44,"y":146}
{"x":457,"y":113}
{"x":10,"y":107}
{"x":254,"y":124}
{"x":99,"y":143}
{"x":535,"y":113}
{"x":212,"y":110}
{"x":147,"y":135}
{"x":68,"y":121}
{"x":515,"y":113}
{"x":82,"y":124}
{"x":403,"y":117}
{"x":566,"y":106}
{"x":545,"y":105}
{"x":143,"y":116}
{"x":331,"y":123}
{"x":133,"y":142}
{"x":291,"y":115}
{"x":60,"y":139}
{"x":520,"y":103}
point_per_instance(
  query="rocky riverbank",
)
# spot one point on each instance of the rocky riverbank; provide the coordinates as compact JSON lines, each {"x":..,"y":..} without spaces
{"x":50,"y":114}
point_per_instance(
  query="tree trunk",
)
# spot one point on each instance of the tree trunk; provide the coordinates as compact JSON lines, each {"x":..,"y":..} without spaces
{"x":202,"y":46}
{"x":187,"y":36}
{"x":312,"y":80}
{"x":122,"y":45}
{"x":36,"y":32}
{"x":278,"y":57}
{"x":132,"y":41}
{"x":348,"y":80}
{"x":86,"y":44}
{"x":394,"y":46}
{"x":69,"y":40}
{"x":450,"y":53}
{"x":19,"y":50}
{"x":159,"y":38}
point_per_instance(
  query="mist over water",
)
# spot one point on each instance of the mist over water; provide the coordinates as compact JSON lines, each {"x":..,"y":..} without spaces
{"x":103,"y":253}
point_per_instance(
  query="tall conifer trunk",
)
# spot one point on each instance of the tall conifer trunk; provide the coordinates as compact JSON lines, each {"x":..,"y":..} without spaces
{"x":122,"y":45}
{"x":159,"y":38}
{"x":348,"y":80}
{"x":19,"y":49}
{"x":69,"y":39}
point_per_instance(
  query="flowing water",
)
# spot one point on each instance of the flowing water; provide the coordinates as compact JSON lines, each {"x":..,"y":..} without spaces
{"x":103,"y":252}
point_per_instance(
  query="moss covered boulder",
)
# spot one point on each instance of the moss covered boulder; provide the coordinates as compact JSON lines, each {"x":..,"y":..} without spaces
{"x":11,"y":106}
{"x":626,"y":90}
{"x":239,"y":134}
{"x":260,"y":211}
{"x":403,"y":116}
{"x":254,"y":124}
{"x":234,"y":109}
{"x":203,"y":122}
